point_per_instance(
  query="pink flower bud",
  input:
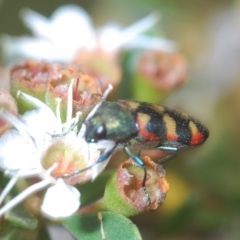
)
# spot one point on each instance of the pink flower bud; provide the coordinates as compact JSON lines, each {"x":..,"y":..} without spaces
{"x":86,"y":91}
{"x":101,"y":65}
{"x":165,"y":71}
{"x":32,"y":78}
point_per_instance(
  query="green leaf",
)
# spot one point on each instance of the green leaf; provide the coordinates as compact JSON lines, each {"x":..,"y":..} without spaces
{"x":19,"y":217}
{"x":114,"y":226}
{"x":10,"y":234}
{"x":91,"y":191}
{"x":128,"y":64}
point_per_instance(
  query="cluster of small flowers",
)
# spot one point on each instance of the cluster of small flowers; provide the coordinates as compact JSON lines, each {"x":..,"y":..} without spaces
{"x":37,"y":146}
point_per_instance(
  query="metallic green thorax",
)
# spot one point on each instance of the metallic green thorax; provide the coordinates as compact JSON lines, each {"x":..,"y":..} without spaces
{"x":117,"y":120}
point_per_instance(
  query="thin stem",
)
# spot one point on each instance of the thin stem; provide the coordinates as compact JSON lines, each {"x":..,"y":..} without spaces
{"x":77,"y":119}
{"x":20,"y":197}
{"x":104,"y":96}
{"x":107,"y":91}
{"x":8,"y":188}
{"x":39,"y":104}
{"x":35,"y":102}
{"x":58,"y":111}
{"x":24,"y":173}
{"x":69,"y":104}
{"x":30,"y":190}
{"x":101,"y":222}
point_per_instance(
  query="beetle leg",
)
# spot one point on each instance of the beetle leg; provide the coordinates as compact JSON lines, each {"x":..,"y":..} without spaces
{"x":139,"y":153}
{"x":66,"y":132}
{"x":172,"y":150}
{"x":106,"y":155}
{"x":140,"y":163}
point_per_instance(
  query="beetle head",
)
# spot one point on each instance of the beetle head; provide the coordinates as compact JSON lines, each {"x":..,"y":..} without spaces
{"x":110,"y":122}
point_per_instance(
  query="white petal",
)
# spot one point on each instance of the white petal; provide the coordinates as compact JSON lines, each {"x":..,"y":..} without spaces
{"x":27,"y":47}
{"x":69,"y":29}
{"x":38,"y":23}
{"x":60,"y":201}
{"x":152,"y":43}
{"x":39,"y":122}
{"x":106,"y":35}
{"x":42,"y":126}
{"x":15,"y":152}
{"x":122,"y":37}
{"x":73,"y":18}
{"x":57,"y":39}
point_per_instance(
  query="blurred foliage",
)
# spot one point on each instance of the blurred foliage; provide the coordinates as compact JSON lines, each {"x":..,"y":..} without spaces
{"x":204,"y":196}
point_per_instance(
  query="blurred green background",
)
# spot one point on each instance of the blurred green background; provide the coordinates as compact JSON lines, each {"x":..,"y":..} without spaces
{"x":204,"y":197}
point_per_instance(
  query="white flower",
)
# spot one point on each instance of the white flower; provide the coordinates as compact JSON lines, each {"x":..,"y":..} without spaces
{"x":70,"y":30}
{"x":22,"y":149}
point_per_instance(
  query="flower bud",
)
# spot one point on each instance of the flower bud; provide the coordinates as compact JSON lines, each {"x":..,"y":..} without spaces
{"x":159,"y":73}
{"x":124,"y":193}
{"x":86,"y":91}
{"x":102,"y":66}
{"x":32,"y":78}
{"x":165,"y":71}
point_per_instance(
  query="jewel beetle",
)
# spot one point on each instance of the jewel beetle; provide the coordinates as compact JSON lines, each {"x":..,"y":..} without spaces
{"x":142,"y":125}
